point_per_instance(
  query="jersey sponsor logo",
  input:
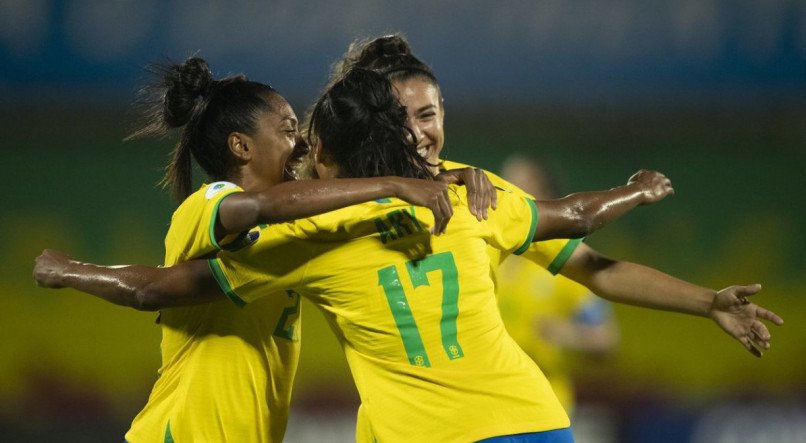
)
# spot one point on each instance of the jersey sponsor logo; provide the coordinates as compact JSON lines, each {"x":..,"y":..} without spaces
{"x":217,"y":187}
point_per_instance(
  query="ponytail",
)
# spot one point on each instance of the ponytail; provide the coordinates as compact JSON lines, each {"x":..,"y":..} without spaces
{"x":186,"y":96}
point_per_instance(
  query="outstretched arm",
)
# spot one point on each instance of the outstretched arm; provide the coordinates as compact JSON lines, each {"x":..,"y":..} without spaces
{"x":638,"y":285}
{"x":305,"y":198}
{"x":580,"y":214}
{"x":143,"y":288}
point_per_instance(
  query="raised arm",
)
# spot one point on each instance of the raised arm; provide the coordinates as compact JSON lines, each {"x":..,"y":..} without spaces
{"x":577,"y":215}
{"x":304,"y":198}
{"x":638,"y":285}
{"x":143,"y":288}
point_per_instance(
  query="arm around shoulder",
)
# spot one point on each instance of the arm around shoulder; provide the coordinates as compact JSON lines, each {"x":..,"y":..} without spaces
{"x":143,"y":288}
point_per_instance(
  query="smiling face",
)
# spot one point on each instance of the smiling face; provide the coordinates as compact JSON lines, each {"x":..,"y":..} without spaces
{"x":423,"y":103}
{"x":271,"y":145}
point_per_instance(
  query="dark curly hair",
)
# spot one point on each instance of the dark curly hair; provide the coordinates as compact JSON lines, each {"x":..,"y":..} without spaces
{"x":362,"y":127}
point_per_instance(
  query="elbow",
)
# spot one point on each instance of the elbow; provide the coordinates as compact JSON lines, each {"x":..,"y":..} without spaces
{"x":583,"y":222}
{"x":147,"y":298}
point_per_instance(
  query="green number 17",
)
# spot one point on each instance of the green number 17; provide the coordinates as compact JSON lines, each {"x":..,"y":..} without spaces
{"x":401,"y":311}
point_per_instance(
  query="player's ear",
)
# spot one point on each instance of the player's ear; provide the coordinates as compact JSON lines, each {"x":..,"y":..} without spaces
{"x":239,"y":145}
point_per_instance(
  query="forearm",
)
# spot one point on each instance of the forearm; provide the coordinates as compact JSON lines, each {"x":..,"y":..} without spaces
{"x":299,"y":199}
{"x":121,"y":285}
{"x":634,"y":284}
{"x":580,"y":214}
{"x":143,"y":288}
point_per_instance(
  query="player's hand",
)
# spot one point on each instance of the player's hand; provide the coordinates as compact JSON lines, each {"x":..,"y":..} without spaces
{"x":741,"y":319}
{"x":653,"y":185}
{"x":481,"y":194}
{"x":49,"y":268}
{"x":432,"y":194}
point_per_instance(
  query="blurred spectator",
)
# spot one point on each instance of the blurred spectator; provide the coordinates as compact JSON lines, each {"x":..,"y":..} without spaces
{"x":549,"y":315}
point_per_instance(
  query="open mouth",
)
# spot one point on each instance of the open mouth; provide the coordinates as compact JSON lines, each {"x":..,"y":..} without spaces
{"x":298,"y":163}
{"x":425,"y":151}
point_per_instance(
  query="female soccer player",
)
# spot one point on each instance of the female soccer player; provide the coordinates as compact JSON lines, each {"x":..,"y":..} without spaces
{"x":242,"y":133}
{"x":418,"y":90}
{"x":415,"y":313}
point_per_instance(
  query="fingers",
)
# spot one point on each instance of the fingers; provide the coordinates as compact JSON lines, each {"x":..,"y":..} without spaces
{"x":760,"y":330}
{"x":748,"y":344}
{"x":483,"y":184}
{"x":769,"y":316}
{"x":481,"y":195}
{"x":654,"y":185}
{"x":748,"y":290}
{"x":442,"y":213}
{"x":740,"y":293}
{"x":475,"y":194}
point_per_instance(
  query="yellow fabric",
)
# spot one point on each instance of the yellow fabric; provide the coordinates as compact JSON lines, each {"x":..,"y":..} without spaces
{"x":543,"y":253}
{"x":423,"y":374}
{"x":227,"y":371}
{"x":529,"y":295}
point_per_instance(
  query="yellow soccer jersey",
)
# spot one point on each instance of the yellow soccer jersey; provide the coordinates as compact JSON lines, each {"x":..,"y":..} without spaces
{"x":416,"y":315}
{"x":227,"y":371}
{"x":528,"y":297}
{"x":550,"y":254}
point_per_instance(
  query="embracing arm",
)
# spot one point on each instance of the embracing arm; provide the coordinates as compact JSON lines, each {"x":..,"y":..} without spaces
{"x":143,"y":288}
{"x":577,"y":215}
{"x":638,"y":285}
{"x":305,"y":198}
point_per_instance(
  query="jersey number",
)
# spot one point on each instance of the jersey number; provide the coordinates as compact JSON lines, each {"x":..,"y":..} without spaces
{"x":418,"y":271}
{"x":283,"y":329}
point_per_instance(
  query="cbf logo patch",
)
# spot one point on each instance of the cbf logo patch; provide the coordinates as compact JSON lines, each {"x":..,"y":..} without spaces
{"x":217,"y":187}
{"x":246,"y":239}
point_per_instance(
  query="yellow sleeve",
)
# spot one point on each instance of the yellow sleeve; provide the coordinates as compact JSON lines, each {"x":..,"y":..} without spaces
{"x":276,"y":261}
{"x":497,"y":181}
{"x":548,"y":254}
{"x":192,"y":231}
{"x":513,"y":224}
{"x":551,"y":254}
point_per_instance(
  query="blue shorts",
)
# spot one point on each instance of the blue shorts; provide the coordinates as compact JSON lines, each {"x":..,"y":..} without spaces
{"x":555,"y":436}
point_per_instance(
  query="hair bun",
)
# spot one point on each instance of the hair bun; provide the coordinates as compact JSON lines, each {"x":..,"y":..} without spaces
{"x":392,"y":45}
{"x":195,"y":76}
{"x":185,"y":83}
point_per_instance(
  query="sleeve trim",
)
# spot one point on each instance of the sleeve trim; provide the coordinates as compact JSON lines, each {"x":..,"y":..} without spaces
{"x":563,"y":256}
{"x":532,"y":228}
{"x":214,"y":217}
{"x":223,"y":283}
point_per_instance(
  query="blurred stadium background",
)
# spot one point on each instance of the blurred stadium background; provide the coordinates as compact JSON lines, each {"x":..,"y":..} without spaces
{"x":711,"y":92}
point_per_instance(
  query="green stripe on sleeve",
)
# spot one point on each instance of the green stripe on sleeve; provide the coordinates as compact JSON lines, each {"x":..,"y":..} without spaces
{"x":563,"y":256}
{"x":532,"y":228}
{"x":223,"y":283}
{"x":214,"y":217}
